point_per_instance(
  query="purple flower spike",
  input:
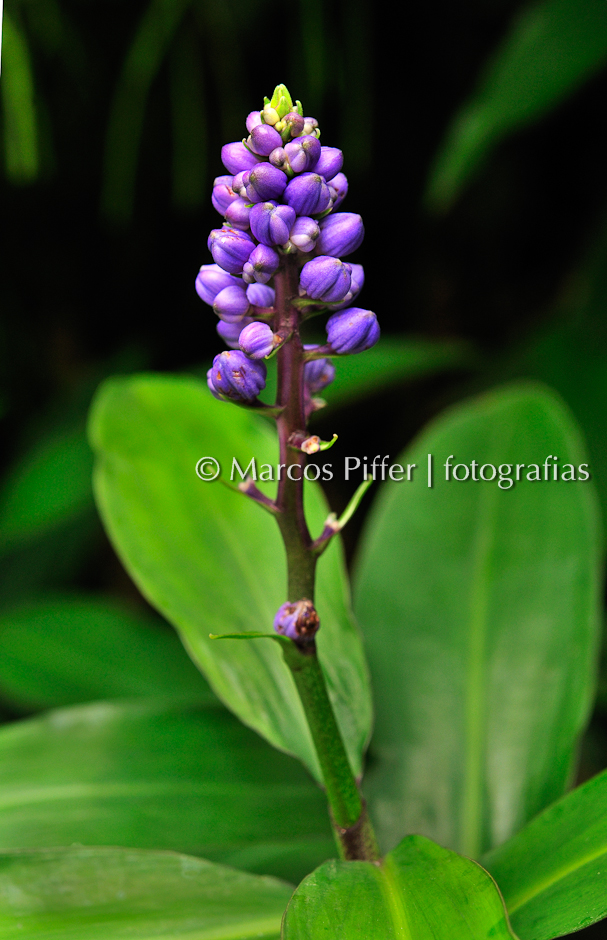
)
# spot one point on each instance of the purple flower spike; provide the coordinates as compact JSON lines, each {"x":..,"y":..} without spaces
{"x":352,"y":330}
{"x":298,"y":621}
{"x":257,"y":340}
{"x":236,"y":378}
{"x":303,"y":153}
{"x":318,"y":374}
{"x":266,"y":182}
{"x":264,"y":139}
{"x":261,"y":295}
{"x":230,"y":332}
{"x":341,"y":233}
{"x":325,"y":278}
{"x":304,"y":233}
{"x":237,"y":214}
{"x":232,"y":304}
{"x":230,"y":248}
{"x":253,"y":120}
{"x":338,"y":187}
{"x":330,"y":162}
{"x":271,"y":223}
{"x":223,"y":194}
{"x":308,"y":194}
{"x":235,"y":157}
{"x":262,"y":264}
{"x":211,"y":279}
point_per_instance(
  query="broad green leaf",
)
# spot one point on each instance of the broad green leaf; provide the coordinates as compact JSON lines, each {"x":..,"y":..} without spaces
{"x":553,"y":873}
{"x":19,"y":114}
{"x":65,"y":650}
{"x":212,"y":561}
{"x":157,"y":775}
{"x":552,"y":48}
{"x":393,"y":360}
{"x":130,"y":894}
{"x":419,"y":892}
{"x":479,"y":607}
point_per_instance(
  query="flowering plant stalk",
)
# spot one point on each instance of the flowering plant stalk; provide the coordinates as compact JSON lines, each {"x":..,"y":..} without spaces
{"x":276,"y":264}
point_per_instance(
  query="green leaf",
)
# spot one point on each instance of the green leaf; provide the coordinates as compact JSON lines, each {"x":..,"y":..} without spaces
{"x":212,"y":561}
{"x":393,"y":360}
{"x":419,"y":892}
{"x":480,"y":609}
{"x":128,"y":894}
{"x":553,"y":873}
{"x":163,"y":776}
{"x":151,"y":44}
{"x":64,"y":650}
{"x":18,"y":105}
{"x":552,"y":48}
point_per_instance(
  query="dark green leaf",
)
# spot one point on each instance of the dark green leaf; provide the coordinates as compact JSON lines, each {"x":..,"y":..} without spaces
{"x":64,"y":650}
{"x":419,"y":892}
{"x":160,"y":776}
{"x":212,"y":561}
{"x":551,"y":49}
{"x":553,"y":873}
{"x":18,"y":105}
{"x":480,"y":608}
{"x":129,"y":894}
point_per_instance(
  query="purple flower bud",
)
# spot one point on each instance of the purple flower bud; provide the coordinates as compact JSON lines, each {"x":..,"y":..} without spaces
{"x":257,"y":340}
{"x":235,"y":157}
{"x":304,"y":233}
{"x":318,"y":374}
{"x":338,"y":187}
{"x":266,"y":182}
{"x":352,"y":330}
{"x":308,"y":194}
{"x":340,"y":234}
{"x":325,"y":278}
{"x":271,"y":223}
{"x":253,"y":120}
{"x":298,"y":620}
{"x":303,"y":153}
{"x":279,"y":158}
{"x":236,"y":378}
{"x":223,"y":194}
{"x":294,"y":124}
{"x":230,"y":248}
{"x":211,"y":279}
{"x":232,"y":303}
{"x":264,"y":139}
{"x":330,"y":162}
{"x":237,"y":214}
{"x":212,"y":388}
{"x":262,"y":264}
{"x":230,"y":332}
{"x":310,"y":126}
{"x":358,"y":280}
{"x":239,"y":183}
{"x":261,"y":295}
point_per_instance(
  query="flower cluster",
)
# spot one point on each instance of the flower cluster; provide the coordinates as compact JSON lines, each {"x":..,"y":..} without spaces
{"x":278,"y":200}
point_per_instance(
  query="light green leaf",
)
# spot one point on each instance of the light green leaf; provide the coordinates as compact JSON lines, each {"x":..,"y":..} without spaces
{"x":552,"y":48}
{"x":419,"y":892}
{"x":212,"y":561}
{"x":128,"y":894}
{"x":158,"y":775}
{"x":553,"y":873}
{"x":18,"y":105}
{"x":480,"y":609}
{"x":63,"y":650}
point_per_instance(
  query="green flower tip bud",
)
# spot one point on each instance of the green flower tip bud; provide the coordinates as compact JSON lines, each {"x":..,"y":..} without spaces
{"x":281,"y":100}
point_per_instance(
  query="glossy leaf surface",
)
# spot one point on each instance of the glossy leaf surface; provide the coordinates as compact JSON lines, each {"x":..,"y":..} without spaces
{"x":553,"y":873}
{"x":115,"y":894}
{"x":63,"y":650}
{"x":420,"y":892}
{"x":212,"y":561}
{"x":153,"y":775}
{"x":479,"y":607}
{"x":552,"y":47}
